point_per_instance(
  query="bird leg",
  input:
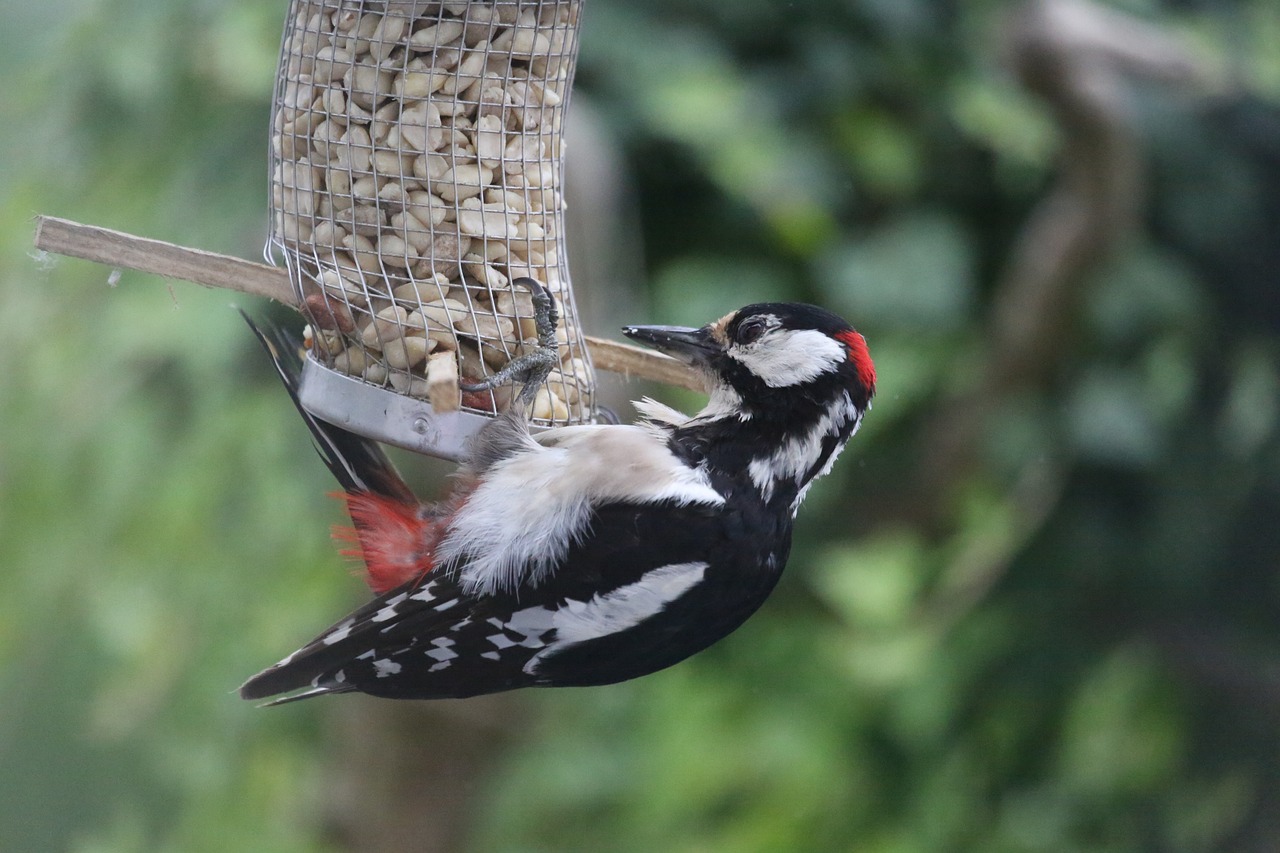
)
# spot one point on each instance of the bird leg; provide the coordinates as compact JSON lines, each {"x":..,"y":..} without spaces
{"x":532,"y":368}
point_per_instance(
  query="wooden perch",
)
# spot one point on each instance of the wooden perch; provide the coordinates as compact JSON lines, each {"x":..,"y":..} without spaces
{"x":127,"y":251}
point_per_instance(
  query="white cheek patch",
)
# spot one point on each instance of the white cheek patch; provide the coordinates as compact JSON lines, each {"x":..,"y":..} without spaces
{"x":787,"y":357}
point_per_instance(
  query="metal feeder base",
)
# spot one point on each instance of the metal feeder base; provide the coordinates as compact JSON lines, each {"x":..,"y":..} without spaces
{"x":384,"y":415}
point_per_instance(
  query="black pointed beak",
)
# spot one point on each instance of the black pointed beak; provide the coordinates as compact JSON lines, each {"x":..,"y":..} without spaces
{"x":692,"y":346}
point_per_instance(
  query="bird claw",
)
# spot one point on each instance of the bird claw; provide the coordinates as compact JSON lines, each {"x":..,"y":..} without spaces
{"x":532,"y":368}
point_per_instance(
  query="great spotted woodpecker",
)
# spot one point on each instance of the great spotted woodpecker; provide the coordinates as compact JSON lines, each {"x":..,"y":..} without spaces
{"x":589,"y":555}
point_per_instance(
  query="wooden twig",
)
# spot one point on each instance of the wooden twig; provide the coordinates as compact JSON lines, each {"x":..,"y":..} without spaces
{"x":126,"y":251}
{"x":631,"y":361}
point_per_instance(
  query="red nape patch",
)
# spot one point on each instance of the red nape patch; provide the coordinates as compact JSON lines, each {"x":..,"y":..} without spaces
{"x":860,"y":357}
{"x":392,"y":538}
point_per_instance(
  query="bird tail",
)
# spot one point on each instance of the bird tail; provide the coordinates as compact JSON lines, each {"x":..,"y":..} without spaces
{"x":360,"y":465}
{"x":266,"y":684}
{"x":393,"y":534}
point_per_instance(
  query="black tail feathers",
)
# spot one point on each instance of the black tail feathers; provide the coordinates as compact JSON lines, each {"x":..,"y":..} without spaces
{"x":360,"y":465}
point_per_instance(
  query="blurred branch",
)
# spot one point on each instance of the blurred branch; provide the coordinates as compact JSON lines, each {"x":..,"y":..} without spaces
{"x":985,"y":558}
{"x":1079,"y":58}
{"x":410,"y":775}
{"x":127,"y":251}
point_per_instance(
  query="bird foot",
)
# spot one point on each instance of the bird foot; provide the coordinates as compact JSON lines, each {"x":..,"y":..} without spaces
{"x":532,"y":368}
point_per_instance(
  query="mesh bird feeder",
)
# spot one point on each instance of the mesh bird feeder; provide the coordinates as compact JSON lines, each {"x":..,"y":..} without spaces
{"x":416,"y":167}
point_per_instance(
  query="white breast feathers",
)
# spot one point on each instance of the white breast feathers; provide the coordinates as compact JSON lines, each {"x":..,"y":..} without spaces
{"x":517,"y":525}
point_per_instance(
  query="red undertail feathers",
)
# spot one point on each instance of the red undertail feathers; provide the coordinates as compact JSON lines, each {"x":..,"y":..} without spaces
{"x":395,"y":540}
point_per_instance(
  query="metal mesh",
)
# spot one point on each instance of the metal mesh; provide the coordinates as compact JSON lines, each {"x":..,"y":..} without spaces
{"x":416,"y":172}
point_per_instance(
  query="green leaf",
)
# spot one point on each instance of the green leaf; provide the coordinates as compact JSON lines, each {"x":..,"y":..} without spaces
{"x":915,"y":273}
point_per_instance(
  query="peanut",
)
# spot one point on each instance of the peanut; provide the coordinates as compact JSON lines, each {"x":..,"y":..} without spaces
{"x":416,"y":173}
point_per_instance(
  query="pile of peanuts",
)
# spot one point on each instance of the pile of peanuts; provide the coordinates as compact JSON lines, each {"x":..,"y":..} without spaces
{"x":417,"y":157}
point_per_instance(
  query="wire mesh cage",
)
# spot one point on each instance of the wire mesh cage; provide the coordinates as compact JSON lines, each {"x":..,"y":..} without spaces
{"x":416,"y":173}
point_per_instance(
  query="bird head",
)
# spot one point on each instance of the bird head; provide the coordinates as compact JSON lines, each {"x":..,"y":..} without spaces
{"x":772,"y":358}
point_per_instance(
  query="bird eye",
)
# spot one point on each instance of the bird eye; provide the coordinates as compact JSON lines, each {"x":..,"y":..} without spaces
{"x":750,"y":330}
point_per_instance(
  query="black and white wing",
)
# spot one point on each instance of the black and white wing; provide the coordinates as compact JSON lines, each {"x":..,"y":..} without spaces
{"x":607,"y":613}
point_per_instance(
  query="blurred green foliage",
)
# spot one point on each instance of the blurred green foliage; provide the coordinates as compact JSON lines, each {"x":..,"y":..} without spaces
{"x":1100,"y":674}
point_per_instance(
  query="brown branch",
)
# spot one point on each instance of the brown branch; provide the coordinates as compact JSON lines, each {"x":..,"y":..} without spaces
{"x":1077,"y":57}
{"x":127,"y":251}
{"x":632,"y":361}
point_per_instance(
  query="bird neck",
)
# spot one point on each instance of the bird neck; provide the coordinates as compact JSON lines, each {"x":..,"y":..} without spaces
{"x":778,"y":453}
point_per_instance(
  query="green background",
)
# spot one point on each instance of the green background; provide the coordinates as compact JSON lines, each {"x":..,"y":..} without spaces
{"x":1072,"y":644}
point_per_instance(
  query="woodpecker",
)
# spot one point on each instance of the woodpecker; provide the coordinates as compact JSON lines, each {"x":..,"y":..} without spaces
{"x":592,"y":554}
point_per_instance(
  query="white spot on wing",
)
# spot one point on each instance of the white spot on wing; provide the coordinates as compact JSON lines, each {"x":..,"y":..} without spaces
{"x":386,"y":667}
{"x":532,"y":623}
{"x":442,"y":651}
{"x":502,"y":641}
{"x":389,"y":610}
{"x":338,"y":635}
{"x":620,"y":609}
{"x":424,"y":594}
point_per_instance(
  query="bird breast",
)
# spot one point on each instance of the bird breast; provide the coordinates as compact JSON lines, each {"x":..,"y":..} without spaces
{"x":516,"y":526}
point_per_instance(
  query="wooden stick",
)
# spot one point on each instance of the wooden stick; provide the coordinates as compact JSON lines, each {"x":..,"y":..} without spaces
{"x":631,"y":361}
{"x":126,"y":251}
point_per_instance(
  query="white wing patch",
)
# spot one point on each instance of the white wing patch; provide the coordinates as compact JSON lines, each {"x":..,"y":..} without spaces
{"x":620,"y":609}
{"x":627,"y":605}
{"x":785,"y":357}
{"x":519,"y":522}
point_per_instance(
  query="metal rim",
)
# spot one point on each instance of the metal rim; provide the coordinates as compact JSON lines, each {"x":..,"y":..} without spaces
{"x":385,"y":415}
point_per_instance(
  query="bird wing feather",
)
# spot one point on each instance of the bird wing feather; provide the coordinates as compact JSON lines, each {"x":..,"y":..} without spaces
{"x":434,"y":639}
